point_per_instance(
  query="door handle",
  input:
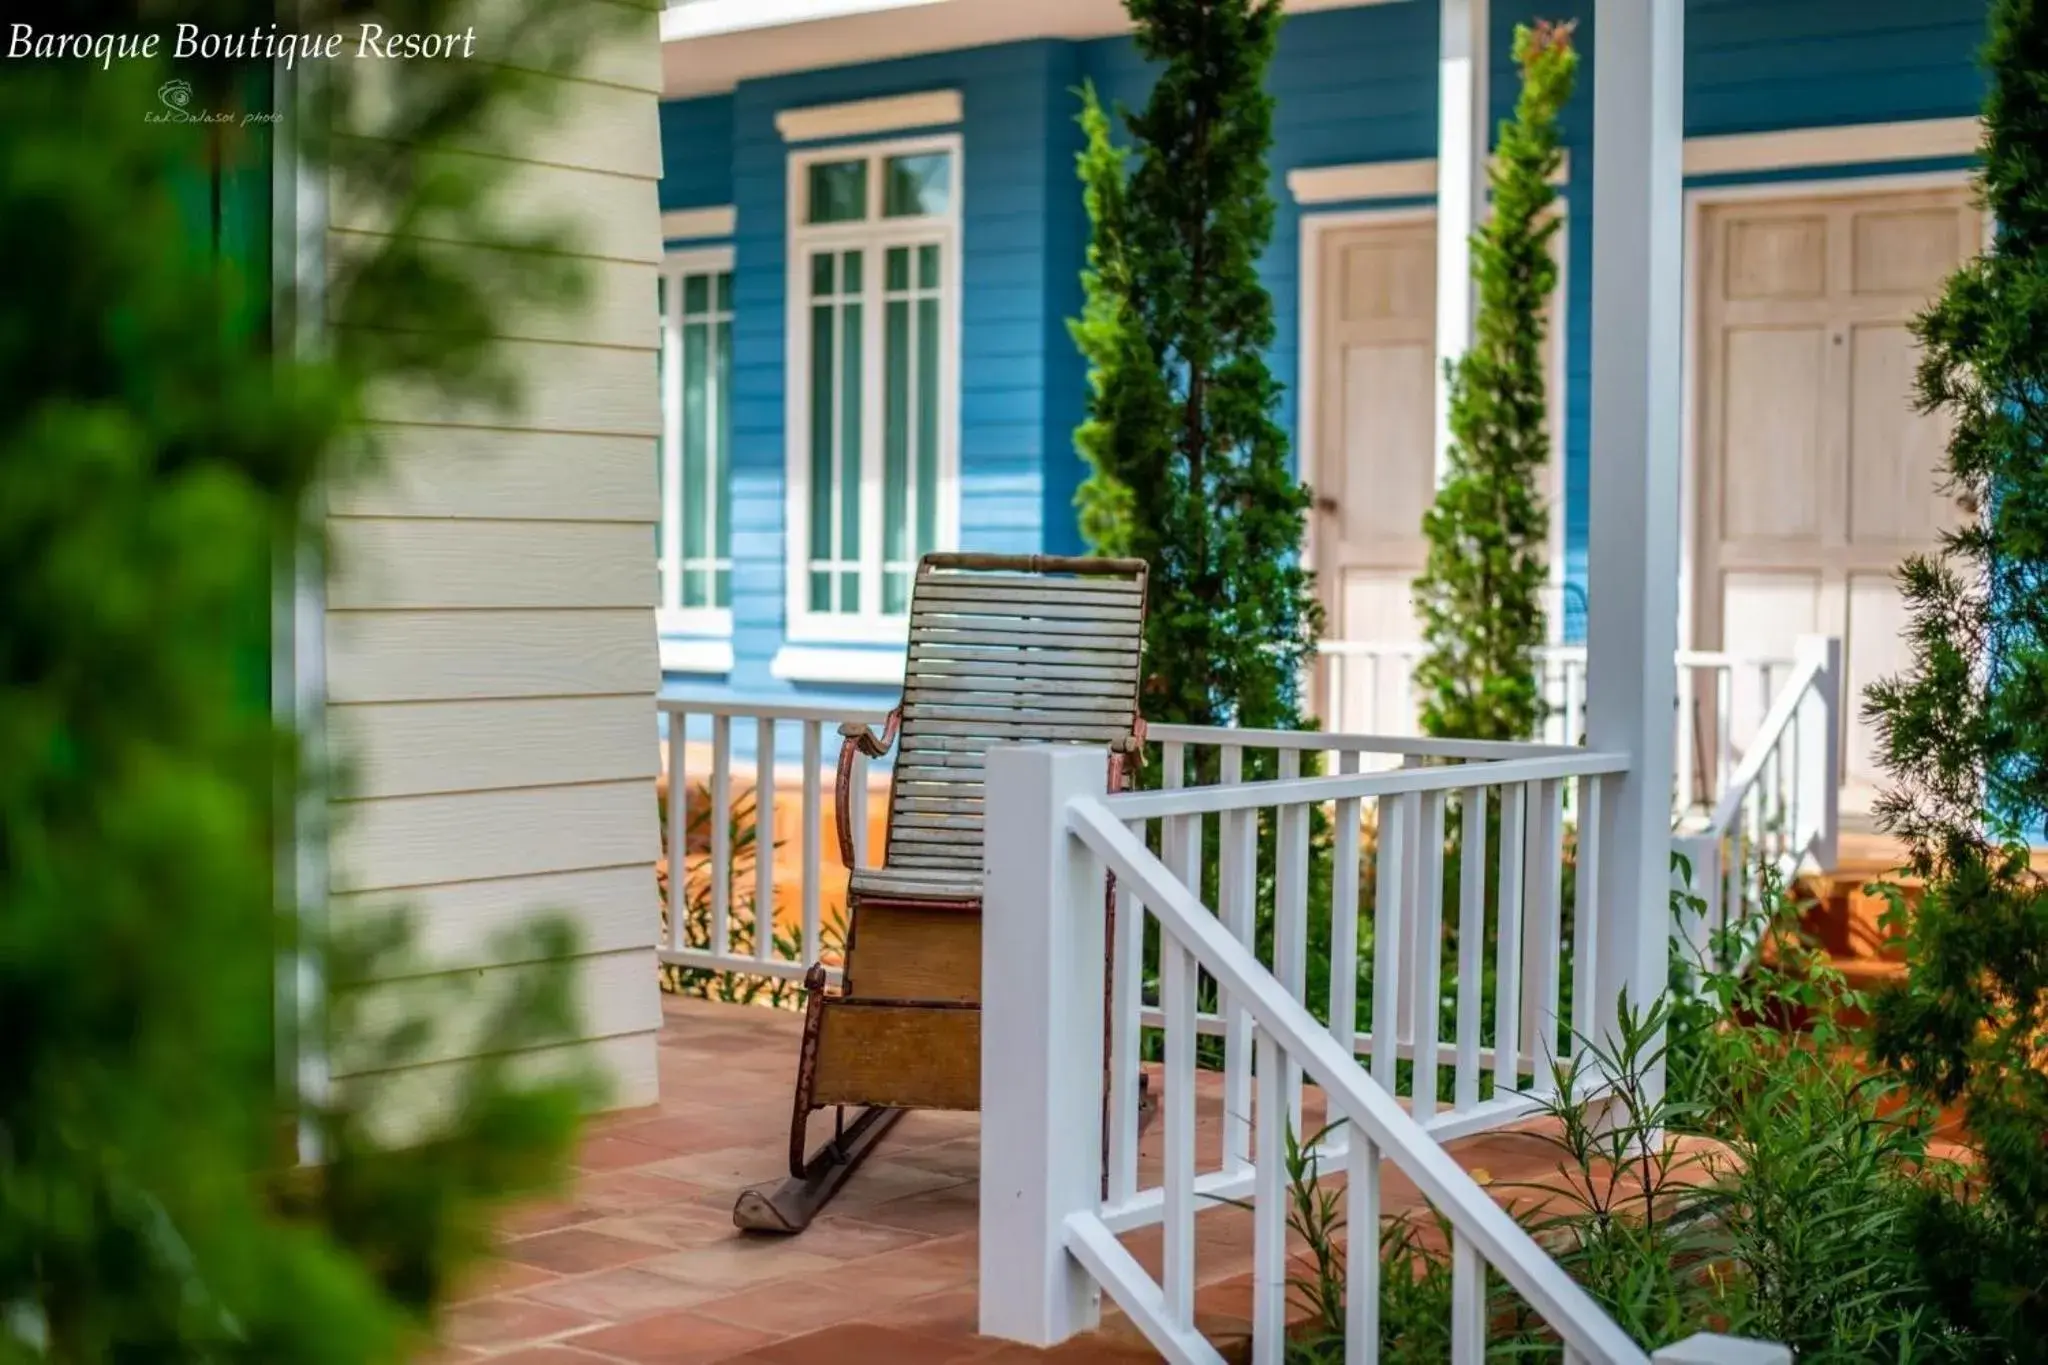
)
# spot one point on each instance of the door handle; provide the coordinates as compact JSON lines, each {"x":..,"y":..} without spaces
{"x":1327,"y":505}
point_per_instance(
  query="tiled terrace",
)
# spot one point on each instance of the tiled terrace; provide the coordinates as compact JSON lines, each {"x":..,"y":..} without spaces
{"x":641,"y":1264}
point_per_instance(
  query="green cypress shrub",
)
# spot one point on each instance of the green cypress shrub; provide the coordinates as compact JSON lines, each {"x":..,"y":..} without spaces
{"x":1189,"y":466}
{"x":1480,"y":594}
{"x":1965,"y":737}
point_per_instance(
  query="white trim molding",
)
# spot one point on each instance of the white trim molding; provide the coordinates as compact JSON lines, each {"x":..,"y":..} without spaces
{"x":1362,"y":181}
{"x":694,"y":223}
{"x":695,"y":656}
{"x":1850,"y":144}
{"x":824,"y":664}
{"x":865,"y":118}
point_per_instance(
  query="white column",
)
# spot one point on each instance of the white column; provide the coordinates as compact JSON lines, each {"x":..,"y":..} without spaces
{"x":1638,"y":200}
{"x":1461,"y":146}
{"x":1042,"y":978}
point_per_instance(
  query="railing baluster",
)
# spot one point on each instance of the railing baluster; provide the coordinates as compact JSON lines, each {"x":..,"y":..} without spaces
{"x":1290,"y":930}
{"x":764,"y":839}
{"x":721,"y":834}
{"x":1177,"y":1175}
{"x":1125,"y":1034}
{"x":1507,"y":937}
{"x":1344,"y":918}
{"x":678,"y":828}
{"x":1397,"y":819}
{"x":1585,"y":909}
{"x":1236,"y":887}
{"x":1471,"y":945}
{"x":1468,"y":1302}
{"x":813,"y":838}
{"x":1542,"y":931}
{"x":1362,"y":1263}
{"x":1269,"y":1211}
{"x":1428,"y":951}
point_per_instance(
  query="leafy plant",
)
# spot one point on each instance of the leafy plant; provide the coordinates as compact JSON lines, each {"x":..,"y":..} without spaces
{"x":160,"y":441}
{"x":1480,"y":594}
{"x":1965,"y":737}
{"x":1785,"y":1213}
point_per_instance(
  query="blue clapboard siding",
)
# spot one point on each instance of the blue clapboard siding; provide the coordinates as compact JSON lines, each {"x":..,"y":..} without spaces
{"x":1353,"y":85}
{"x":696,"y":153}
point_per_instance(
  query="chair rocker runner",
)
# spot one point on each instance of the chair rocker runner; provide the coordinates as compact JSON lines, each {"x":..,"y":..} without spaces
{"x":1002,"y":650}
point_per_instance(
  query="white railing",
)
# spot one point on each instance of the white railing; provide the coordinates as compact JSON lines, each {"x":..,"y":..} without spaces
{"x":1048,"y":1229}
{"x":1370,"y":686}
{"x":724,"y":901}
{"x":1779,"y":812}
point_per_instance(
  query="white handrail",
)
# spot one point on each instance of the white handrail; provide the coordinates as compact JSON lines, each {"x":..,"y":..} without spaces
{"x":1780,"y":810}
{"x":1548,"y":765}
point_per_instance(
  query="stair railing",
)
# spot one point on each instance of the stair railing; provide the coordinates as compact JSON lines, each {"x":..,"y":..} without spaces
{"x":1780,"y":813}
{"x":1048,"y":1248}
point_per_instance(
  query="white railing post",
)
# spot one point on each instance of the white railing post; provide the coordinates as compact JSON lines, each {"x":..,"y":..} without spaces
{"x":1637,"y":434}
{"x":1820,"y":740}
{"x":1707,"y":1349}
{"x":1042,"y":959}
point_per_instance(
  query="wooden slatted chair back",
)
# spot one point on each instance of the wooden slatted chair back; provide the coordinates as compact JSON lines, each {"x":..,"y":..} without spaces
{"x":1006,"y":650}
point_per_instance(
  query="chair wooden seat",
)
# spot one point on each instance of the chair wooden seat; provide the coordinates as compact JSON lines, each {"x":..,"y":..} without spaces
{"x":942,"y":885}
{"x":1002,"y":650}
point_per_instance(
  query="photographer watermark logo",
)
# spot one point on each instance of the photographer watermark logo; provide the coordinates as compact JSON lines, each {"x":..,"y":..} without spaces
{"x":176,"y":98}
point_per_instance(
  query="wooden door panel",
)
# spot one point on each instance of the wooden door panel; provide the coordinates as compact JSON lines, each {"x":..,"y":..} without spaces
{"x":1907,"y":251}
{"x":1387,"y":479}
{"x":1895,"y":453}
{"x":1875,"y":648}
{"x":1773,"y":414}
{"x":1783,"y":257}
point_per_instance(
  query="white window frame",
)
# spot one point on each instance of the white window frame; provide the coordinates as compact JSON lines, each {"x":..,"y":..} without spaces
{"x":873,"y":235}
{"x":672,"y":617}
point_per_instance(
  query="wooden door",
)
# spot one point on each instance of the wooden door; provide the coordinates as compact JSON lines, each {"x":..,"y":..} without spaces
{"x":1817,"y":475}
{"x":1374,"y":467}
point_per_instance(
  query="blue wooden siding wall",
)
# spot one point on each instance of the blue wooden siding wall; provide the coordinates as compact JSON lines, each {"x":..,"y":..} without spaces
{"x":1352,"y":85}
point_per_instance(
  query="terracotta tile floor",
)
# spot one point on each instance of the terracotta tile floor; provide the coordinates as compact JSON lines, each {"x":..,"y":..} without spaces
{"x":641,"y":1265}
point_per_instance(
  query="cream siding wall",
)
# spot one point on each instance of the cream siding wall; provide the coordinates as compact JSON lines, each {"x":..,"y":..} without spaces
{"x":491,"y":657}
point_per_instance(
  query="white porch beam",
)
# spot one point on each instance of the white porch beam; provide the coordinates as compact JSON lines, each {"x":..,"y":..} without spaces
{"x":1632,"y":631}
{"x":1461,"y":142}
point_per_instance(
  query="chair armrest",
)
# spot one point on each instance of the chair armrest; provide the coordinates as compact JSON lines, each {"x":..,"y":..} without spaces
{"x":859,"y":739}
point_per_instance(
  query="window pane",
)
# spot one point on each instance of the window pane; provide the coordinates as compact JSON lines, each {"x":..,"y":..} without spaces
{"x":823,"y":375}
{"x":721,"y":464}
{"x":896,"y":434}
{"x":898,"y":275}
{"x":850,"y":398}
{"x":927,"y":425}
{"x":725,"y":291}
{"x":838,"y":192}
{"x":927,"y":267}
{"x":696,"y":294}
{"x":696,"y":442}
{"x":917,"y":186}
{"x":821,"y":274}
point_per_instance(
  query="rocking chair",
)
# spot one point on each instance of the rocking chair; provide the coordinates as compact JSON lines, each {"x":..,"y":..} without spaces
{"x":1003,"y":650}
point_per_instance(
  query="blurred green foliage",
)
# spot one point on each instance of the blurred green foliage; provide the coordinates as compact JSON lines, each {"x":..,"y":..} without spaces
{"x":165,"y":425}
